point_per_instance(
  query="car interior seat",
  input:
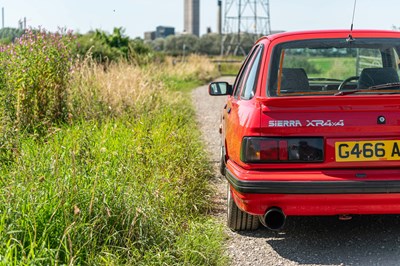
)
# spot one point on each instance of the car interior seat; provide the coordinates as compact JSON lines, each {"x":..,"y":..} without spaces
{"x":294,"y":80}
{"x":376,"y":76}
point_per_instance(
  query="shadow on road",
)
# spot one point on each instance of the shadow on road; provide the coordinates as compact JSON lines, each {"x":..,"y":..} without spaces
{"x":364,"y":240}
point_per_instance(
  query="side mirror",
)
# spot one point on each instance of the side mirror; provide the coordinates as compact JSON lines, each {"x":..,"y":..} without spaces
{"x":219,"y":88}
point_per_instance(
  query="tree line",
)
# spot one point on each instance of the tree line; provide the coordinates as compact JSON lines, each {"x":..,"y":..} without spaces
{"x":207,"y":44}
{"x":106,"y":47}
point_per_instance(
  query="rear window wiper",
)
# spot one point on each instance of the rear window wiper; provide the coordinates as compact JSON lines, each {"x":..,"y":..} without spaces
{"x":375,"y":87}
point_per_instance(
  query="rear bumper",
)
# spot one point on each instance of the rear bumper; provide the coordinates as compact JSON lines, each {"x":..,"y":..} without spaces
{"x":312,"y":187}
{"x":304,"y":192}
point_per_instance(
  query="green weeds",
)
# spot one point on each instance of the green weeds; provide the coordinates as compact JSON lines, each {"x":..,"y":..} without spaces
{"x":34,"y":77}
{"x":36,"y":73}
{"x":115,"y":175}
{"x":133,"y":189}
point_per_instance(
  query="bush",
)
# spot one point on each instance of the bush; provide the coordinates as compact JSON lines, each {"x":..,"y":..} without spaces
{"x":105,"y":48}
{"x":8,"y":35}
{"x":143,"y":54}
{"x":90,"y":44}
{"x":210,"y":44}
{"x":181,"y":45}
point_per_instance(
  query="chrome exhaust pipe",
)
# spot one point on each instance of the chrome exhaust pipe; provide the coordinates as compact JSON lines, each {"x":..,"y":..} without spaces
{"x":274,"y":219}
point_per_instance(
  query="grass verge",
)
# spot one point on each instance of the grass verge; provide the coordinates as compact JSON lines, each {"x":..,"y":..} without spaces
{"x":126,"y":182}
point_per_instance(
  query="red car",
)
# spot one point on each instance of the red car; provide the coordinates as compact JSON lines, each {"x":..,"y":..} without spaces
{"x":311,"y":126}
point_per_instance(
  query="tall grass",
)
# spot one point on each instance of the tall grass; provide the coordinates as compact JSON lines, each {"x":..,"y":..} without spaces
{"x":340,"y":67}
{"x":187,"y":73}
{"x":123,"y":88}
{"x":122,"y":180}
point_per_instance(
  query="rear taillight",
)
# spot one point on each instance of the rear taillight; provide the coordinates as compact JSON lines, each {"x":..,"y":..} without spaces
{"x":261,"y":149}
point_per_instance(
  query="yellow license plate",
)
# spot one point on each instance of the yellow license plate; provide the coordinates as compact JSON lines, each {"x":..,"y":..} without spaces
{"x":362,"y":151}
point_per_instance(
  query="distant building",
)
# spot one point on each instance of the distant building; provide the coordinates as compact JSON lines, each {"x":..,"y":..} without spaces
{"x":161,"y":32}
{"x":192,"y":17}
{"x":149,"y":35}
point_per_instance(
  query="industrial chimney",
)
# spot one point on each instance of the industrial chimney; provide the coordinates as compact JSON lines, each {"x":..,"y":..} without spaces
{"x":219,"y":17}
{"x":192,"y":17}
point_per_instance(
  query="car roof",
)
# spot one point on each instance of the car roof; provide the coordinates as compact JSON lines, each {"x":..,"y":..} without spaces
{"x":323,"y":34}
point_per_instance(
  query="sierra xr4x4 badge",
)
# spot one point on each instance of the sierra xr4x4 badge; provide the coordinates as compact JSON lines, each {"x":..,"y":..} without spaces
{"x":311,"y":127}
{"x":308,"y":123}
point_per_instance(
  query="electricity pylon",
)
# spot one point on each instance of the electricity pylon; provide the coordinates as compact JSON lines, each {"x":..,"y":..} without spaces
{"x":244,"y":16}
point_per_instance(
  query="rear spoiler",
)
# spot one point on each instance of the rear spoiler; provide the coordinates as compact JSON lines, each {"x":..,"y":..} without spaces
{"x":340,"y":102}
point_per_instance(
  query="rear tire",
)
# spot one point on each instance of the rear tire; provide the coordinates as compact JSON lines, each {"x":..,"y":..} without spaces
{"x":222,"y":164}
{"x":237,"y":219}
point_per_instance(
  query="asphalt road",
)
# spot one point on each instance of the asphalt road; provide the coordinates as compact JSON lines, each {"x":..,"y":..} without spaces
{"x":364,"y":240}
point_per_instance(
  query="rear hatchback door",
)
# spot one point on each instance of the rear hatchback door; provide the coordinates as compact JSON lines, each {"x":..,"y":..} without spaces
{"x":345,"y":93}
{"x":357,"y":131}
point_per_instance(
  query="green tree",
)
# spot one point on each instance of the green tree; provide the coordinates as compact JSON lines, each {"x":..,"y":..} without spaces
{"x":89,"y":43}
{"x":105,"y":47}
{"x":248,"y":40}
{"x":8,"y":35}
{"x":210,"y":44}
{"x":158,"y":44}
{"x":115,"y":40}
{"x":182,"y":44}
{"x":141,"y":53}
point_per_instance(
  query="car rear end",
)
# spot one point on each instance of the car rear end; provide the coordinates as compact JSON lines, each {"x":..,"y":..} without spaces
{"x":329,"y":135}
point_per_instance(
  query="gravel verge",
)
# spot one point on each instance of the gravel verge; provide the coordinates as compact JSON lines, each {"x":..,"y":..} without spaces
{"x":364,"y":240}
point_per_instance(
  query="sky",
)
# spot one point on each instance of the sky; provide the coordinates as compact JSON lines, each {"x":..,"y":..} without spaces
{"x":138,"y":16}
